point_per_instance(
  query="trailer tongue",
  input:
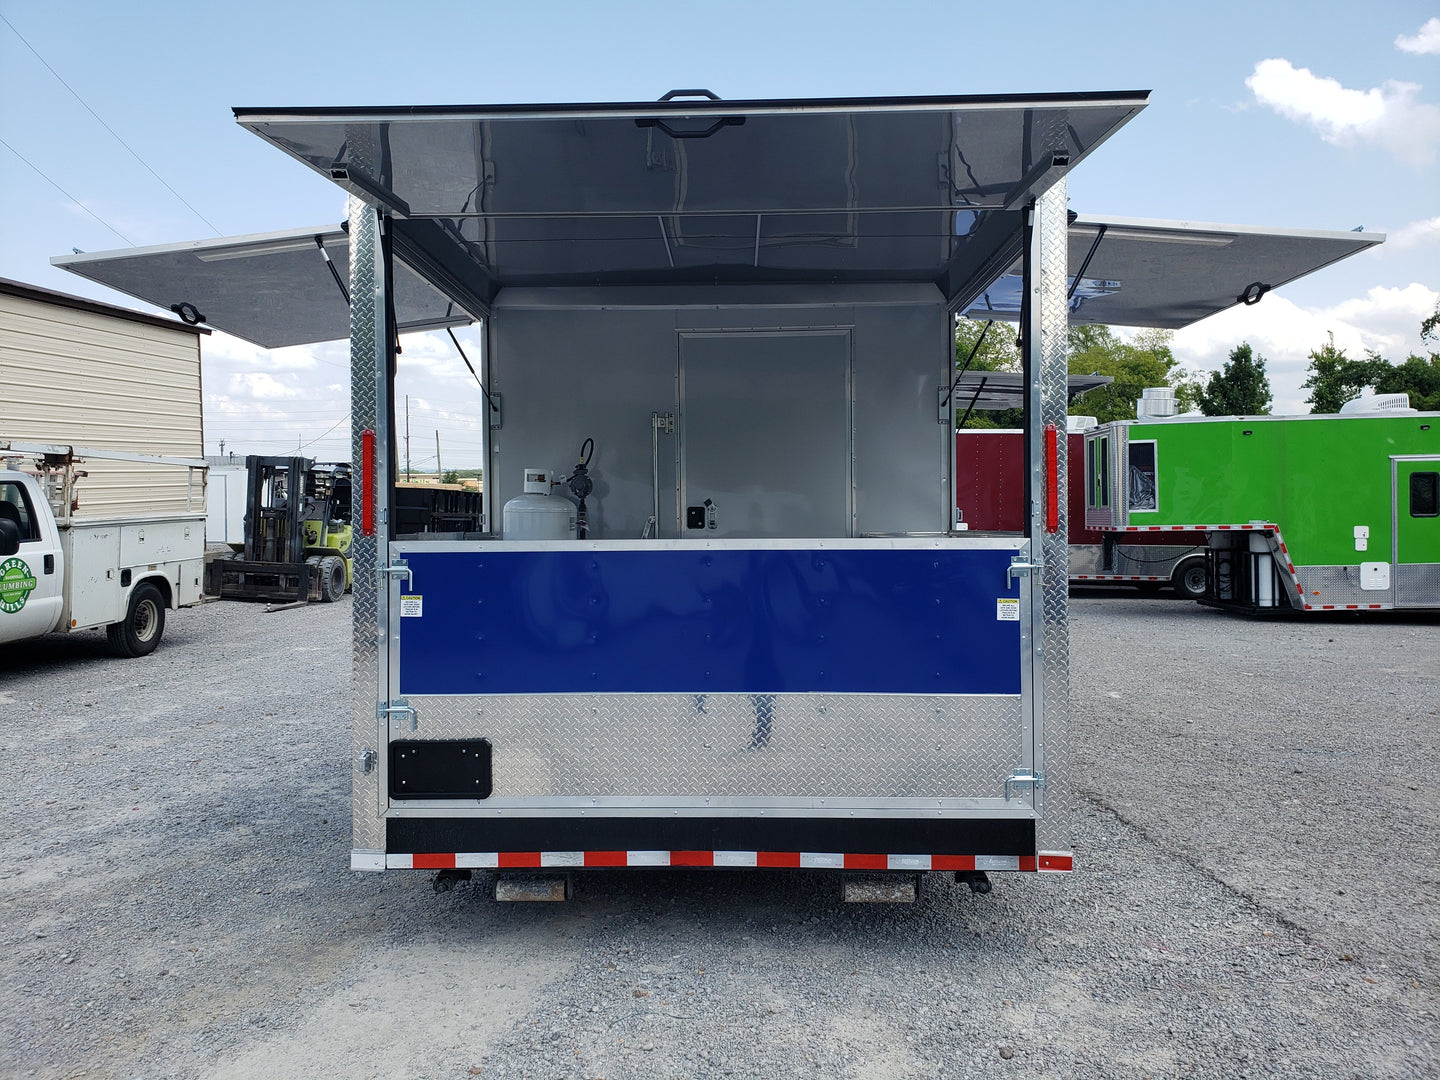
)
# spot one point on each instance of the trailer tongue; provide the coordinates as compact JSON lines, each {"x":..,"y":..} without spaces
{"x":771,"y":648}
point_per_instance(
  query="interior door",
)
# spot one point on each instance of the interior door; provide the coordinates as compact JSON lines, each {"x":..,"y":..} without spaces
{"x":1417,"y":531}
{"x":766,"y":435}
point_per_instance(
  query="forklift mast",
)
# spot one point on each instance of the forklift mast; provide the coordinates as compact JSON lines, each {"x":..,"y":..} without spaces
{"x":274,"y":508}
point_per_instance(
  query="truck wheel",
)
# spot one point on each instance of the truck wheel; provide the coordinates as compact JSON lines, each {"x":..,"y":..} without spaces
{"x":144,"y":622}
{"x":332,"y":578}
{"x":1191,"y":579}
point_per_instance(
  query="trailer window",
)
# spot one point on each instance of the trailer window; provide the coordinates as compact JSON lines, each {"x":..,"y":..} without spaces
{"x":15,"y":505}
{"x":1142,"y":476}
{"x":1097,"y":464}
{"x":1425,"y":494}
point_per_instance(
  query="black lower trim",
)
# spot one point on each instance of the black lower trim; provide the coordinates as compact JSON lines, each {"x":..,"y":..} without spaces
{"x":889,"y":836}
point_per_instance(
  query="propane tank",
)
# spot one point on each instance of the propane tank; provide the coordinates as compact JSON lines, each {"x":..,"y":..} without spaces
{"x":538,"y":515}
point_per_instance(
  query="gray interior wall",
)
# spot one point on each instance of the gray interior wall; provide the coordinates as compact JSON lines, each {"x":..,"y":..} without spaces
{"x":575,"y":363}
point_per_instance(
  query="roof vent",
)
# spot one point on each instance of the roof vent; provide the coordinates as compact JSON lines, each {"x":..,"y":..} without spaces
{"x":1155,"y":401}
{"x":1080,"y":423}
{"x":1377,"y":403}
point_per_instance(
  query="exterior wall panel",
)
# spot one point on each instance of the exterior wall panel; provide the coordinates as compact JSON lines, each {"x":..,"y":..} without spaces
{"x":84,"y":378}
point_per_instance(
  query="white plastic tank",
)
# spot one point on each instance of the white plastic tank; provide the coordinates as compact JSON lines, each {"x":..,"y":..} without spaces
{"x":538,"y":515}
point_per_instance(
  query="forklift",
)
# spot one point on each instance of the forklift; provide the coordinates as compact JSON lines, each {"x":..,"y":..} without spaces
{"x":297,"y":534}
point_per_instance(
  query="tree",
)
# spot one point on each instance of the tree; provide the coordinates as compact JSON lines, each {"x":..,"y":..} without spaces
{"x":450,"y":477}
{"x":1417,"y":376}
{"x":1240,"y":388}
{"x":1133,"y":365}
{"x":1334,"y":378}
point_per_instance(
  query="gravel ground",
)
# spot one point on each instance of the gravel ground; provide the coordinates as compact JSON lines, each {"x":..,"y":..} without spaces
{"x":1255,"y":896}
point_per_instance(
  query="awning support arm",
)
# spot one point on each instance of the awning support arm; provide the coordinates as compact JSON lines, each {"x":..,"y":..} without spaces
{"x":971,"y":407}
{"x":461,"y":351}
{"x":320,"y":243}
{"x":1085,"y":263}
{"x":966,"y":366}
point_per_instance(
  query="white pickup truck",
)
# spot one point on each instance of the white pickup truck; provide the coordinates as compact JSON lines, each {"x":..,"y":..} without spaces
{"x":62,"y":571}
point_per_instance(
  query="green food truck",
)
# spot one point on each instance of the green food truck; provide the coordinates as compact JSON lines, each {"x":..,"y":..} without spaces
{"x":1302,"y":513}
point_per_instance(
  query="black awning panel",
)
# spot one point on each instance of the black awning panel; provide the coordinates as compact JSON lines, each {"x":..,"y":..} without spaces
{"x":1170,"y":274}
{"x":867,"y":190}
{"x":272,"y":289}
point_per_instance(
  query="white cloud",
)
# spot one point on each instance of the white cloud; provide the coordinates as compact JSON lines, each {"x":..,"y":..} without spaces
{"x":262,"y":385}
{"x":1385,"y":320}
{"x":1421,"y":233}
{"x":1427,"y":40}
{"x":1389,"y":116}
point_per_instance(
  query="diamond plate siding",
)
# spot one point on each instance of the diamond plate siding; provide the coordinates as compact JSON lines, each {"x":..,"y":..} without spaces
{"x":1051,"y":319}
{"x":1417,"y":585}
{"x":734,"y":745}
{"x":367,"y":334}
{"x":1339,"y":585}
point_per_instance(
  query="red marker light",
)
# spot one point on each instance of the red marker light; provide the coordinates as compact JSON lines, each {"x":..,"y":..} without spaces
{"x":367,"y":482}
{"x":1052,"y":479}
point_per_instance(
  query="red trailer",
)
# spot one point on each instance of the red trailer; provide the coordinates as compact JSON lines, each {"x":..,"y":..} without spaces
{"x":990,"y":495}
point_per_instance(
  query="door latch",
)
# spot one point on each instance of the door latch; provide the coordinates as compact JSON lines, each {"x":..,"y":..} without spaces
{"x":1021,"y":566}
{"x":396,"y":569}
{"x":367,"y":761}
{"x":1034,"y":779}
{"x":398,"y":708}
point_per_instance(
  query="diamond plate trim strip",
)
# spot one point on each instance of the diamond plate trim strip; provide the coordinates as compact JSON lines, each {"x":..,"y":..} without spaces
{"x":735,"y":745}
{"x":366,"y":332}
{"x":1052,"y":321}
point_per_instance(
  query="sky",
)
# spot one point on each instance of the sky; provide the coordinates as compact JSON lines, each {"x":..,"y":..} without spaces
{"x":117,"y":131}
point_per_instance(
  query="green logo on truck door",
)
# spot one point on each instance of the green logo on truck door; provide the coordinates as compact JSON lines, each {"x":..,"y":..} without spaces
{"x":16,"y":585}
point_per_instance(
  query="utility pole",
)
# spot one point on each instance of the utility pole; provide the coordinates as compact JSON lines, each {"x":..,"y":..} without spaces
{"x":407,"y":438}
{"x":222,"y":447}
{"x":439,"y":469}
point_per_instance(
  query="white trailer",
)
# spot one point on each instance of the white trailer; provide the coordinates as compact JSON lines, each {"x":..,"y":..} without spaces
{"x":62,"y":570}
{"x":770,"y":646}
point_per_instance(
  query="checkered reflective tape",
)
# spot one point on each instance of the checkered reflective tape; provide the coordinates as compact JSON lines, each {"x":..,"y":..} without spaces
{"x":820,"y":860}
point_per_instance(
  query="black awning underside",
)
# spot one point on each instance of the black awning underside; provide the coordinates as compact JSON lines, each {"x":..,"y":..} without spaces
{"x":865,"y":190}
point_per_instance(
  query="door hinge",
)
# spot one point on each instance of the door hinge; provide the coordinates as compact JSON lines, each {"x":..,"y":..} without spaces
{"x":1021,"y":566}
{"x":398,"y":708}
{"x":1034,"y":779}
{"x":396,"y":569}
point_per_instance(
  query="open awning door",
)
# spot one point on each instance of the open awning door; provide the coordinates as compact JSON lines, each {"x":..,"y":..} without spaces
{"x":272,"y":289}
{"x":1169,"y":274}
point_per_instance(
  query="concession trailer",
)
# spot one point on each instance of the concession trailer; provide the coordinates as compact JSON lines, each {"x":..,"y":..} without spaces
{"x":1297,"y":513}
{"x":719,"y":613}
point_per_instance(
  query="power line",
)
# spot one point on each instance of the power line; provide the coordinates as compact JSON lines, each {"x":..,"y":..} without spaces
{"x":332,"y":427}
{"x":108,"y":128}
{"x":62,"y":191}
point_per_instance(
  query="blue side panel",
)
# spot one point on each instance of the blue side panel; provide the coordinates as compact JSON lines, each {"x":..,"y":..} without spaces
{"x":858,"y":621}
